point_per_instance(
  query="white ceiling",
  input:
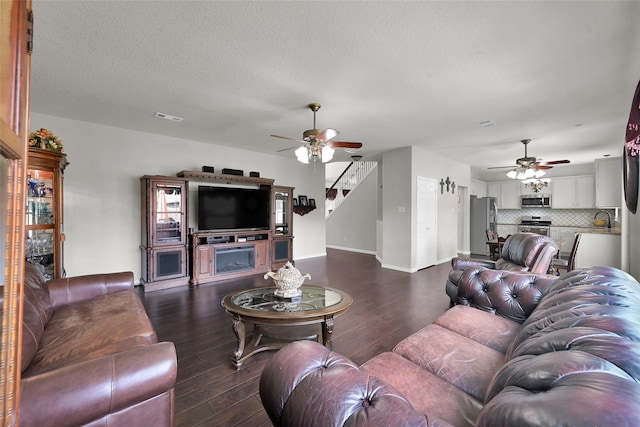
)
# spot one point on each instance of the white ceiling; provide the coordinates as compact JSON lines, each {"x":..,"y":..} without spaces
{"x":388,"y":74}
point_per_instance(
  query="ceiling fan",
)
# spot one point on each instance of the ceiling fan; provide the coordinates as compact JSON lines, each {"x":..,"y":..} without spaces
{"x":529,"y":167}
{"x":316,"y":142}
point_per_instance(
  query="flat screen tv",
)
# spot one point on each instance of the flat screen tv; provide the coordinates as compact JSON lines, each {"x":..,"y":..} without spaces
{"x":228,"y":208}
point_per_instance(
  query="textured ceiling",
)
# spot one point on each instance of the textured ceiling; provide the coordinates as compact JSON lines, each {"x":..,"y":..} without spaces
{"x":388,"y":74}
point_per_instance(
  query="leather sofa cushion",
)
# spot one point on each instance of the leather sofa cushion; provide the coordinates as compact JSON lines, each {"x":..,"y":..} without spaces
{"x":91,"y":329}
{"x":37,"y":312}
{"x":503,"y":264}
{"x":453,"y":358}
{"x":444,"y":403}
{"x":496,"y":332}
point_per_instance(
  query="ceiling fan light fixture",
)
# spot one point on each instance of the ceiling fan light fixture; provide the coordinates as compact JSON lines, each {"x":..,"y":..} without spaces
{"x":536,"y":184}
{"x":302,"y":154}
{"x":327,"y":154}
{"x":529,"y":167}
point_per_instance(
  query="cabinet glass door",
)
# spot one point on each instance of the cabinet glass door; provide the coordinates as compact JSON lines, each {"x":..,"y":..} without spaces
{"x":40,"y":220}
{"x":282,"y":212}
{"x":169,"y":214}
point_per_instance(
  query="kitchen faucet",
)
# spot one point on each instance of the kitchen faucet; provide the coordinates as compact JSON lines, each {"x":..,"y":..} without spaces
{"x":608,"y":218}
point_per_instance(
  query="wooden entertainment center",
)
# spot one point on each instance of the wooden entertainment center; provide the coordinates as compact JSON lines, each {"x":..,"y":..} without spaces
{"x":174,"y":255}
{"x":227,"y":255}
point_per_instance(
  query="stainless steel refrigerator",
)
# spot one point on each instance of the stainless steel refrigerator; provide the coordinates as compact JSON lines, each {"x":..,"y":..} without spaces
{"x":484,"y":214}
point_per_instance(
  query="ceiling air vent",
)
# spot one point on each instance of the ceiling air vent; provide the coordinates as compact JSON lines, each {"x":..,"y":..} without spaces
{"x":169,"y":117}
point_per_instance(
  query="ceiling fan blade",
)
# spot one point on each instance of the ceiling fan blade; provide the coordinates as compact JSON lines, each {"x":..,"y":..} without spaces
{"x":290,"y":139}
{"x":326,"y":135}
{"x":342,"y":144}
{"x":503,"y":167}
{"x":286,"y":149}
{"x":555,"y":162}
{"x":545,"y":167}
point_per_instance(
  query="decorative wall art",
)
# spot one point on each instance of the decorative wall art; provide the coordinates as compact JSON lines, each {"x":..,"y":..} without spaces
{"x":451,"y":186}
{"x":631,"y":153}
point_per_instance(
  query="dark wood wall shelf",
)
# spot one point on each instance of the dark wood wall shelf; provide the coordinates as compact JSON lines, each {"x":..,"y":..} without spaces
{"x":303,"y":210}
{"x":221,"y":178}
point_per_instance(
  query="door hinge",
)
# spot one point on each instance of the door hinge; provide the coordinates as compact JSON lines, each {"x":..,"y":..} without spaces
{"x":30,"y":32}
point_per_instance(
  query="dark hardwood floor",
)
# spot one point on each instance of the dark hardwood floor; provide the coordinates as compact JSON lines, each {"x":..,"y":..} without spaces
{"x":388,"y":306}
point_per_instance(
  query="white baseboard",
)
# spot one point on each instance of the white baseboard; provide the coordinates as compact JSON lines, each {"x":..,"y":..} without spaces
{"x":398,"y":268}
{"x":360,"y":251}
{"x":310,"y":256}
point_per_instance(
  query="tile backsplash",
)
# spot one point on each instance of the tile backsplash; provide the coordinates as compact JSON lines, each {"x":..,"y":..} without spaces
{"x":559,"y":217}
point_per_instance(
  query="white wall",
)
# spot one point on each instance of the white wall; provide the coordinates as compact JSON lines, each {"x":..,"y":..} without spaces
{"x":400,"y":169}
{"x":353,"y":225}
{"x":102,"y":189}
{"x":397,"y":205}
{"x":430,"y":165}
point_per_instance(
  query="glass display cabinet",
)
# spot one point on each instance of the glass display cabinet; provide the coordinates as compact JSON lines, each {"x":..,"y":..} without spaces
{"x":164,"y":236}
{"x":281,"y":226}
{"x":44,"y":240}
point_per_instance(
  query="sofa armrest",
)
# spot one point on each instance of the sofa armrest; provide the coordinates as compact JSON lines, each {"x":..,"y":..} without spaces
{"x":307,"y":384}
{"x":78,"y":394}
{"x":460,"y":263}
{"x":80,"y":288}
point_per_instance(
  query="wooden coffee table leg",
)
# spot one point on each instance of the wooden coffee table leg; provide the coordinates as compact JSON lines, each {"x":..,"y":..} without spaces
{"x":327,"y":330}
{"x":238,"y":329}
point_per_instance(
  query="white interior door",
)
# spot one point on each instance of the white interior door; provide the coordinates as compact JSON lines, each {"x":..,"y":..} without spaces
{"x":427,"y":222}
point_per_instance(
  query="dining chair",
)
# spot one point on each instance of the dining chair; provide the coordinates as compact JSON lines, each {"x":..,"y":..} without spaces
{"x":569,"y":263}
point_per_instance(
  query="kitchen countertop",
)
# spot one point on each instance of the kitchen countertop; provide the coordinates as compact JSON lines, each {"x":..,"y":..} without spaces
{"x":582,"y":229}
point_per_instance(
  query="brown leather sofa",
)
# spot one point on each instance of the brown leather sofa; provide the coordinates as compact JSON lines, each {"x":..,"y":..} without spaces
{"x":522,"y":252}
{"x":90,"y":356}
{"x":518,"y":350}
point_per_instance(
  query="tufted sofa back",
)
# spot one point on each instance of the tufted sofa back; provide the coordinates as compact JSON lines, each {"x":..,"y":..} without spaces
{"x":507,"y":294}
{"x":530,"y":250}
{"x":580,"y":344}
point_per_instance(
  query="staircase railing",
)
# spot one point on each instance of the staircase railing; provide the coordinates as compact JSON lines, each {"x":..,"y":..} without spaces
{"x":348,"y":180}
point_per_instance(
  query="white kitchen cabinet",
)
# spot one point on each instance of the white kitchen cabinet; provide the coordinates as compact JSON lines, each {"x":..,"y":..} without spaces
{"x":608,"y":182}
{"x":478,"y":188}
{"x":493,"y":189}
{"x":507,"y":193}
{"x":598,"y":249}
{"x":573,"y":192}
{"x":510,"y":195}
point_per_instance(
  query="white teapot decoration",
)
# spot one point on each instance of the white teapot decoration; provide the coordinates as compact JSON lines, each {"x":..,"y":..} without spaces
{"x":288,"y":279}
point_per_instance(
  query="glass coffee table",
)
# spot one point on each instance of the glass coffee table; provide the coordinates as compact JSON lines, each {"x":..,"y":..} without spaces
{"x":266,"y":314}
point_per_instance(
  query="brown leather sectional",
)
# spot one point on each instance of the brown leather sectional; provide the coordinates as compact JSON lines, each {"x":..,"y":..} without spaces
{"x":90,"y":355}
{"x":518,"y":350}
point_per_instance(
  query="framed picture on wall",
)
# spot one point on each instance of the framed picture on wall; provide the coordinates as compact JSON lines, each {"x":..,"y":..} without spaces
{"x":303,"y":201}
{"x":295,"y":202}
{"x":312,"y":203}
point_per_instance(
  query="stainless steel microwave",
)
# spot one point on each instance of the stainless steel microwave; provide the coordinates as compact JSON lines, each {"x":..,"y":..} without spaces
{"x":536,"y":201}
